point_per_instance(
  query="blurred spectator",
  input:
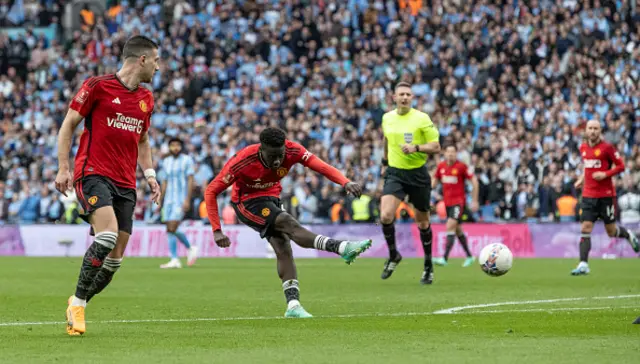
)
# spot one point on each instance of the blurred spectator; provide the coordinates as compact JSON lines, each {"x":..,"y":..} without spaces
{"x":511,"y":82}
{"x":567,"y":206}
{"x":629,"y":202}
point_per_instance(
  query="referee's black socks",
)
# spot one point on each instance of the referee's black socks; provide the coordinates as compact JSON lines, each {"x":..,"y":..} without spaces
{"x":389,"y":232}
{"x":426,"y":237}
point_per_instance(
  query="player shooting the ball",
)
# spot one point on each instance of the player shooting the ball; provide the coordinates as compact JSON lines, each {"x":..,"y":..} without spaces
{"x":255,"y":173}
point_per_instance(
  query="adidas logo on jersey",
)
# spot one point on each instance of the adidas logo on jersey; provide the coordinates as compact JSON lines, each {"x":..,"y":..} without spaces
{"x":116,"y":100}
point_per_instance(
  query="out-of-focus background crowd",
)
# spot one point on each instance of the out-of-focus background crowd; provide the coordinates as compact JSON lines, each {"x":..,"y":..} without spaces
{"x":511,"y":83}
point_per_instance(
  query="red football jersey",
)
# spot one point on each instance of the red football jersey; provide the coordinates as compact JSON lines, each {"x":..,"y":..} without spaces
{"x":251,"y":178}
{"x":600,"y":158}
{"x":115,"y":117}
{"x":453,"y":178}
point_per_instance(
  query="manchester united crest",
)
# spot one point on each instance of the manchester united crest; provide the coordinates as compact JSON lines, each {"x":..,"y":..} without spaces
{"x":454,"y":172}
{"x":282,"y":172}
{"x":92,"y":200}
{"x":597,"y":152}
{"x":266,"y":212}
{"x":143,"y":106}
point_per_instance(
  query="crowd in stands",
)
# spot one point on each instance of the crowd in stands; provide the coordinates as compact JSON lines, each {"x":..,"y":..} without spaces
{"x":511,"y":83}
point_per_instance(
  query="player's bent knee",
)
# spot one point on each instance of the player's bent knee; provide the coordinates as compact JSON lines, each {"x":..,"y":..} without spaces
{"x":424,"y":225}
{"x":586,"y":227}
{"x":387,"y":218}
{"x":611,"y":230}
{"x":281,"y":246}
{"x":452,"y":225}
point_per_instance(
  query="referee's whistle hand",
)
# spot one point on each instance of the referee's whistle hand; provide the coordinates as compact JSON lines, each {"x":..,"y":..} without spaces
{"x":408,"y":148}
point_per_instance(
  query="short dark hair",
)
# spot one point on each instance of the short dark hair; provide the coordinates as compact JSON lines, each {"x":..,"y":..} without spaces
{"x":176,"y":140}
{"x":273,"y":137}
{"x":137,"y":46}
{"x":451,"y":145}
{"x":401,"y":84}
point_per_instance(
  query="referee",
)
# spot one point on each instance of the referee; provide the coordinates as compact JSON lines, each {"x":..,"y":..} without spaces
{"x":409,"y":137}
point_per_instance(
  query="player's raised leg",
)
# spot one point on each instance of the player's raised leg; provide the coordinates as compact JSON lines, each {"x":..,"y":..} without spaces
{"x":607,"y":208}
{"x":105,"y":226}
{"x":288,"y":274}
{"x":616,"y":231}
{"x":388,"y":205}
{"x":348,"y":250}
{"x":426,"y":238}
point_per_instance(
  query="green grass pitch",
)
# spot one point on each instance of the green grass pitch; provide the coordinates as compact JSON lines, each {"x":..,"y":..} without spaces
{"x":229,"y":311}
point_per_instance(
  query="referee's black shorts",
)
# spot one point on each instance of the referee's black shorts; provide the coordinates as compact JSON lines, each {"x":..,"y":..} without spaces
{"x":415,"y":183}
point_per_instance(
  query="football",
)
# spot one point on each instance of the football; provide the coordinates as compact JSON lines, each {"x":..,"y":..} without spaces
{"x":495,"y":259}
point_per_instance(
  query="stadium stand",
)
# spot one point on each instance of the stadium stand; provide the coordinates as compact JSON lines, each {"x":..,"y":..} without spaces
{"x":511,"y":82}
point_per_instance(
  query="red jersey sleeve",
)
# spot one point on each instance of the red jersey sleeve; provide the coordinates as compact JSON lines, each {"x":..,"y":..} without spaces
{"x":307,"y":159}
{"x":85,"y":98}
{"x":151,"y":108}
{"x":615,"y":158}
{"x":223,"y":180}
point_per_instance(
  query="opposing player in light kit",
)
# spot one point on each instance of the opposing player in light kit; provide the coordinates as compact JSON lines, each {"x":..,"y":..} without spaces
{"x":116,"y":113}
{"x":598,"y":195}
{"x":409,"y":138}
{"x":452,"y":174}
{"x":255,"y":173}
{"x":177,"y":186}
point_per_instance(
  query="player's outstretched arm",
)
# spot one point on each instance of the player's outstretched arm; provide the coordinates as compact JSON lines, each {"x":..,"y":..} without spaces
{"x":223,"y":180}
{"x":64,"y":181}
{"x":333,"y":175}
{"x":146,"y":163}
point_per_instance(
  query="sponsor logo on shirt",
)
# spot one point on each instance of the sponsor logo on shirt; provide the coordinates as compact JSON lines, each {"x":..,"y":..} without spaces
{"x":592,"y":163}
{"x":262,"y":186}
{"x":127,"y":123}
{"x":450,"y":179}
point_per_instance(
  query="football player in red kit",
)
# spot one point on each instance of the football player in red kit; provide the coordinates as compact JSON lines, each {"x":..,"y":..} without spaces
{"x":255,"y":173}
{"x":116,"y":112}
{"x":601,"y":162}
{"x":453,"y":174}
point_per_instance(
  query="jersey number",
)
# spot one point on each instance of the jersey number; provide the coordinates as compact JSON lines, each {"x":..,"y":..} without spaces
{"x":611,"y":211}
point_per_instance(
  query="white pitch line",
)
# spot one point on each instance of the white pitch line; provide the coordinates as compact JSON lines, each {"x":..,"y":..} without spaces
{"x":553,"y":309}
{"x":534,"y":302}
{"x":399,"y":314}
